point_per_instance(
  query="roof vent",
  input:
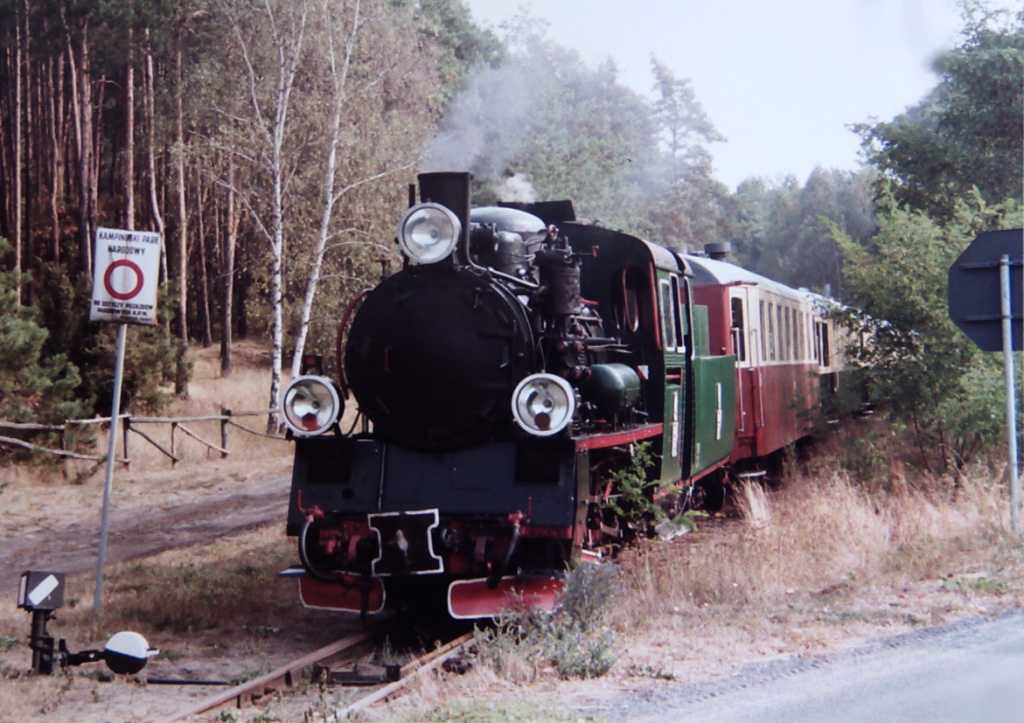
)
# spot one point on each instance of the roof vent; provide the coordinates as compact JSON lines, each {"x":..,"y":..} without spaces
{"x":718,"y":251}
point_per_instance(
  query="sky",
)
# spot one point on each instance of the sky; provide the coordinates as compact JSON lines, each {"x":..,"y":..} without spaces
{"x":781,"y":79}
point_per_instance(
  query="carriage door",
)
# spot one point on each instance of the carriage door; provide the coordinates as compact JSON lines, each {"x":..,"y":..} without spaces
{"x":745,"y":329}
{"x":673,"y":339}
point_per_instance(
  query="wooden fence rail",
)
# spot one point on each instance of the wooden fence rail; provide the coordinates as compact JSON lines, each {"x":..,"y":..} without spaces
{"x":130,"y":425}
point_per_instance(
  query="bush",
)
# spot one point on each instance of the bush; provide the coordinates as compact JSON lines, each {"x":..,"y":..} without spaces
{"x":929,"y":376}
{"x":37,"y":384}
{"x":574,"y":640}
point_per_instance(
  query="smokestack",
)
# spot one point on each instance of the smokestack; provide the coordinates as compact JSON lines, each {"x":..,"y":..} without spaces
{"x":718,"y":251}
{"x":451,"y":190}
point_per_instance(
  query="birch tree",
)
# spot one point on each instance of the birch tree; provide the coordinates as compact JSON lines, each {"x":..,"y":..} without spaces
{"x":339,"y":62}
{"x":269,"y":87}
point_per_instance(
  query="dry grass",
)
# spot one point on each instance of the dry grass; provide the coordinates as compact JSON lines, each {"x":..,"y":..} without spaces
{"x":820,"y":561}
{"x":231,"y":582}
{"x":818,"y":531}
{"x":217,"y":611}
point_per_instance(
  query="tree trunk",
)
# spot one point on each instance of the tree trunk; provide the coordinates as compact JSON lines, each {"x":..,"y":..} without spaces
{"x":30,"y":96}
{"x":204,"y":279}
{"x":288,"y":44}
{"x":79,"y":57}
{"x":154,"y":196}
{"x":182,"y":215}
{"x":230,"y":236}
{"x":54,"y":96}
{"x":129,"y":143}
{"x":18,"y":170}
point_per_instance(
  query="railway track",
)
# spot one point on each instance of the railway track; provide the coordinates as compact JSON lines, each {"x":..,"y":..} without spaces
{"x":291,"y":675}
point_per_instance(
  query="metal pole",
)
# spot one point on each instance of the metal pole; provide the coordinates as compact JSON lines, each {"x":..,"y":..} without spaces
{"x":115,"y":411}
{"x":1011,"y":392}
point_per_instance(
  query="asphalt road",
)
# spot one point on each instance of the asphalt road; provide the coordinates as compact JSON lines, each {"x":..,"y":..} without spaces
{"x":967,"y":672}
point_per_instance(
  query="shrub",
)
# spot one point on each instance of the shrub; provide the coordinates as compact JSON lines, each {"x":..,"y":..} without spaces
{"x":36,"y":384}
{"x":573,"y":640}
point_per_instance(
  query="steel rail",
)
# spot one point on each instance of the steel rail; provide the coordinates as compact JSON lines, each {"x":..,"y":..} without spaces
{"x":423,"y":664}
{"x":285,"y":676}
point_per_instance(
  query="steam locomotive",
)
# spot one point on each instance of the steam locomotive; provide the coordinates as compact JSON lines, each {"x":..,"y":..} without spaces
{"x":504,"y":376}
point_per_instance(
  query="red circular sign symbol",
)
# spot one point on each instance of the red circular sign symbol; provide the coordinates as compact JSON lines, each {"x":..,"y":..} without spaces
{"x":119,"y":295}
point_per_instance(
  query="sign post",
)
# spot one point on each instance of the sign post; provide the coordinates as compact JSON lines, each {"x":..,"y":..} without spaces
{"x":983,"y":304}
{"x":1011,"y":389}
{"x":124,"y":289}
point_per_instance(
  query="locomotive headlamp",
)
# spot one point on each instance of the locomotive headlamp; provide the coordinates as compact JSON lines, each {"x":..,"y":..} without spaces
{"x":310,"y":405}
{"x":543,"y":404}
{"x":428,"y":233}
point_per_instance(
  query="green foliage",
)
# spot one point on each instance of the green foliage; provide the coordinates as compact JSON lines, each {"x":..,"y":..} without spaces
{"x":968,"y":131}
{"x":633,"y":493}
{"x":782,"y":229}
{"x":646,"y":671}
{"x":462,"y":45}
{"x":686,"y":522}
{"x":932,"y":377}
{"x":36,"y":384}
{"x":574,"y":639}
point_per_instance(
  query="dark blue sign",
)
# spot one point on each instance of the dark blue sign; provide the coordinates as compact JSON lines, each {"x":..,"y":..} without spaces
{"x":974,"y":290}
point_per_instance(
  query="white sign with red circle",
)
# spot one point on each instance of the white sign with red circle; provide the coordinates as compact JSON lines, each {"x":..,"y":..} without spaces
{"x":126,"y":276}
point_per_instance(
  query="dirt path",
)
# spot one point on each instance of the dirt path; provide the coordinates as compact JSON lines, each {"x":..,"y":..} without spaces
{"x":149,"y":517}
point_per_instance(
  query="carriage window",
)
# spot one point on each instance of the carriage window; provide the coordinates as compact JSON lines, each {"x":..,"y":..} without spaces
{"x":780,"y":339}
{"x":630,"y":303}
{"x":739,"y":333}
{"x":797,"y":354}
{"x":822,"y":346}
{"x":678,"y":302}
{"x":764,"y":333}
{"x":771,"y":331}
{"x":670,"y":316}
{"x":788,"y":333}
{"x":798,"y":320}
{"x":783,"y":333}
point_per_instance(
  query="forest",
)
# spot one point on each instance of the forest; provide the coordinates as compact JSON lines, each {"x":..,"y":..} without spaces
{"x":270,"y":143}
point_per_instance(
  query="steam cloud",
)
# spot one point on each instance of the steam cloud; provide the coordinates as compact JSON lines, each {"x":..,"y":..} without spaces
{"x":517,"y":189}
{"x":484,"y":125}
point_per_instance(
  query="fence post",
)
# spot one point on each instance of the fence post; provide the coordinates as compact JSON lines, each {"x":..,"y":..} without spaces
{"x":225,"y":414}
{"x":174,"y":426}
{"x":127,"y":427}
